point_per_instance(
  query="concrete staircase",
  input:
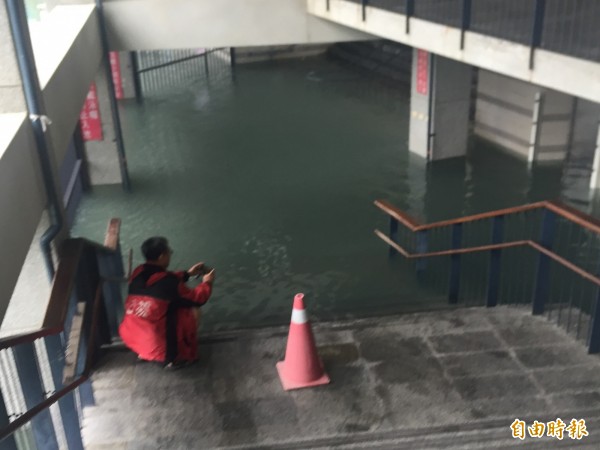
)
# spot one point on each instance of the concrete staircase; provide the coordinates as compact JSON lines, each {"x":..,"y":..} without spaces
{"x":446,"y":379}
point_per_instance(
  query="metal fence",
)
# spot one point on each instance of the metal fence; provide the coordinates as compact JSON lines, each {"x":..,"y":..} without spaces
{"x":563,"y":26}
{"x":161,"y":71}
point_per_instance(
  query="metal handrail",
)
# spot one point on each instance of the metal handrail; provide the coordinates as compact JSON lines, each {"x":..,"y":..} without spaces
{"x":62,"y":286}
{"x":54,"y":321}
{"x":572,"y":214}
{"x":484,"y":248}
{"x":543,"y":248}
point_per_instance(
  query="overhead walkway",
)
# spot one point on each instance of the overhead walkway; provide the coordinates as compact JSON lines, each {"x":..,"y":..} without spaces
{"x":550,"y":43}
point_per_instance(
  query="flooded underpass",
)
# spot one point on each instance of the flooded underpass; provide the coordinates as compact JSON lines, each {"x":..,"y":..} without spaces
{"x":269,"y":174}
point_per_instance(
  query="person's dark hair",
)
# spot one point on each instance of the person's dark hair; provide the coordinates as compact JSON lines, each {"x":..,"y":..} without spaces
{"x":153,"y":247}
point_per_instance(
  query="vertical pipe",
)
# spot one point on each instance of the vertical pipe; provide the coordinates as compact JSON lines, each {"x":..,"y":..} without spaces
{"x":540,"y":294}
{"x":114,"y":108}
{"x":37,"y":114}
{"x":494,"y":270}
{"x":33,"y":391}
{"x":455,"y":264}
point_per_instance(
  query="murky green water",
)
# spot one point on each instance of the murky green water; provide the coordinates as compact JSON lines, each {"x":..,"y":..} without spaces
{"x":271,"y":179}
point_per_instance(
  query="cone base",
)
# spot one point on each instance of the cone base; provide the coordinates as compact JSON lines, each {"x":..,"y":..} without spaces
{"x":288,"y":385}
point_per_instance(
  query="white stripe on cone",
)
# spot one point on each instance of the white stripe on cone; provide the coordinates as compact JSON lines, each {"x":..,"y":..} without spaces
{"x":299,"y":316}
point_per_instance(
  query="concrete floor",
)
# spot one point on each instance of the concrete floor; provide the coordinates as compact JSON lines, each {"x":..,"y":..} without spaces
{"x":446,"y":379}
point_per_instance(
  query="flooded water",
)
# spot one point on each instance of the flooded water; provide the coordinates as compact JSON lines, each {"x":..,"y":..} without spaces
{"x":270,"y":178}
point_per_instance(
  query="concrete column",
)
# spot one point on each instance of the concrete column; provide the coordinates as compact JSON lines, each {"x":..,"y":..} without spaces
{"x":531,"y":122}
{"x":12,"y":98}
{"x":102,"y":156}
{"x":440,"y":103}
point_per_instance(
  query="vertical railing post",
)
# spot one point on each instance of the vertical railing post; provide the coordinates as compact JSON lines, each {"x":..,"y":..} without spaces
{"x":454,"y":284}
{"x":393,"y":234}
{"x":8,"y":442}
{"x":327,"y":5}
{"x":538,"y":29}
{"x":111,"y":268}
{"x":594,"y":344}
{"x":494,"y":274}
{"x":137,"y":80}
{"x":466,"y":21}
{"x":364,"y":9}
{"x":67,"y":405}
{"x":410,"y":11}
{"x":33,"y":392}
{"x":421,"y":248}
{"x":542,"y":282}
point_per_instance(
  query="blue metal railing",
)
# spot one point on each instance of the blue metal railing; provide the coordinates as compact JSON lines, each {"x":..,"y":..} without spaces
{"x":78,"y":321}
{"x":544,"y":255}
{"x":563,"y":26}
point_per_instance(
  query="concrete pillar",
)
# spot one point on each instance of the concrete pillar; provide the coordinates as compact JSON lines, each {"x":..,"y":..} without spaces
{"x":12,"y":98}
{"x":102,"y":156}
{"x":440,"y":104}
{"x":531,"y":122}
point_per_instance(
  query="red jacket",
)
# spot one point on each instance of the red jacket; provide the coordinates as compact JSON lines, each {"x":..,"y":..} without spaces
{"x":159,"y":324}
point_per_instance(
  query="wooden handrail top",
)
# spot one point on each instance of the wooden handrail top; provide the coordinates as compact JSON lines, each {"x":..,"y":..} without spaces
{"x":574,"y":215}
{"x":482,"y":248}
{"x":568,"y":212}
{"x":111,"y":239}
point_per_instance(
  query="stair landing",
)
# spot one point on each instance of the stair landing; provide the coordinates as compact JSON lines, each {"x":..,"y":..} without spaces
{"x":446,"y":379}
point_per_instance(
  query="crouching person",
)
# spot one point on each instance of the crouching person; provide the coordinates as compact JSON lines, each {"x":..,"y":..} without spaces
{"x":160,"y":322}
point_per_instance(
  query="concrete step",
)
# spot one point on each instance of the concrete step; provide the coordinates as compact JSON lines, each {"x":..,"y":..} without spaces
{"x":455,"y":378}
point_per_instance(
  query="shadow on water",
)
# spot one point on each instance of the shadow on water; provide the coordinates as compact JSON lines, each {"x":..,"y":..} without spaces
{"x":271,"y":180}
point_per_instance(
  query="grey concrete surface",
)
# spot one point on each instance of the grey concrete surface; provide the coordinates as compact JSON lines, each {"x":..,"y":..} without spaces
{"x":446,"y":379}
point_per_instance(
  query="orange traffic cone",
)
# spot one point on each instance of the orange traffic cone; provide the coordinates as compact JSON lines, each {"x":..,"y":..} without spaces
{"x":302,"y":366}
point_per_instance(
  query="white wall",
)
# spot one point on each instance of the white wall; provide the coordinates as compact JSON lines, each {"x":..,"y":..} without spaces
{"x":22,"y":200}
{"x":65,"y":75}
{"x":504,"y":111}
{"x":66,"y":86}
{"x":159,"y":24}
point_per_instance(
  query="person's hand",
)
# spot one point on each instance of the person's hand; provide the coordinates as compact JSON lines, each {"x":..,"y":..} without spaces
{"x":209,"y":277}
{"x":196,"y":269}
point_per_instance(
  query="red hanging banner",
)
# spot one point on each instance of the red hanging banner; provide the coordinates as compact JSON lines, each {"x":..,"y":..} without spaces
{"x":89,"y":117}
{"x":115,"y":68}
{"x":422,"y":72}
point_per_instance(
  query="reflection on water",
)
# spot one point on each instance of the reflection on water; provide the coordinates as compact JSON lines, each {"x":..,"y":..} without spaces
{"x":271,"y":180}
